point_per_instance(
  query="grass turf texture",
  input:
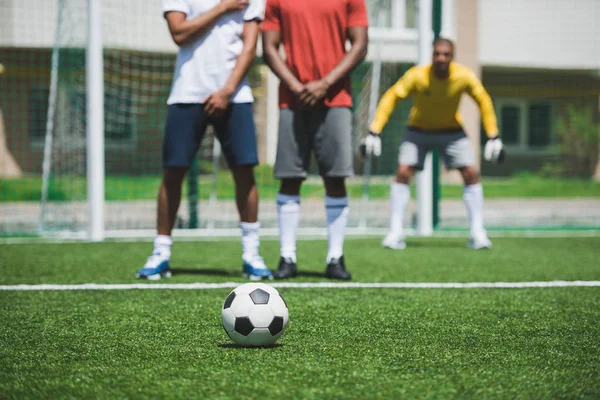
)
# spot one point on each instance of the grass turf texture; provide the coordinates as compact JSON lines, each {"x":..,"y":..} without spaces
{"x":146,"y":187}
{"x":341,"y":343}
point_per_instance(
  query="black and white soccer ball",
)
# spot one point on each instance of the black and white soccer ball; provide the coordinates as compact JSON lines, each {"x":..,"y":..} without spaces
{"x":254,"y":314}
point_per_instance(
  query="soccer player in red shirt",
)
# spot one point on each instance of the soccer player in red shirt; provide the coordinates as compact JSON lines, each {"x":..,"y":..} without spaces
{"x":315,"y":111}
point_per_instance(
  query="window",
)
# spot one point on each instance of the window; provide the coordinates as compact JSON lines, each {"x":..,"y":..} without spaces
{"x":511,"y":122}
{"x":539,"y":125}
{"x":70,"y":115}
{"x":525,"y":125}
{"x":392,"y":14}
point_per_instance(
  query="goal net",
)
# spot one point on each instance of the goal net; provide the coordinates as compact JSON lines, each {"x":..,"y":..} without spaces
{"x":43,"y":147}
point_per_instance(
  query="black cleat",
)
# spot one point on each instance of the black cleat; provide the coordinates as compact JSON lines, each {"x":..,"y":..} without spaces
{"x":337,"y":270}
{"x":286,"y":269}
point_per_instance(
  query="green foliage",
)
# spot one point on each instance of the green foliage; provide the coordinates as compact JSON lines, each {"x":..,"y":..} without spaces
{"x":146,"y":187}
{"x":579,"y":143}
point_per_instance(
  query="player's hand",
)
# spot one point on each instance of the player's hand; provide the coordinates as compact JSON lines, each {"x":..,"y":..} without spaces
{"x":234,"y":5}
{"x":313,"y":93}
{"x":494,"y":150}
{"x":371,"y":144}
{"x":216,"y":104}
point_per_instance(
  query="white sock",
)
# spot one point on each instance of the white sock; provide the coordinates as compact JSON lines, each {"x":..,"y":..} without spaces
{"x":162,"y":246}
{"x":288,"y":215}
{"x":473,"y":197}
{"x":399,"y":197}
{"x":250,"y":240}
{"x":337,"y":211}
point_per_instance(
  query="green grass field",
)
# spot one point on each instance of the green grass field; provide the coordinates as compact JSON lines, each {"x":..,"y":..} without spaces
{"x":146,"y":187}
{"x":534,"y":343}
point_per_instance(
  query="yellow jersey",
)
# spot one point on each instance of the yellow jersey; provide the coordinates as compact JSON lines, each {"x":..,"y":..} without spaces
{"x":435,"y":100}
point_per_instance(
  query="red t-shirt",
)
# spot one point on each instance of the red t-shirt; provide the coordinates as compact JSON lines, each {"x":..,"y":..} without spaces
{"x":314,"y":34}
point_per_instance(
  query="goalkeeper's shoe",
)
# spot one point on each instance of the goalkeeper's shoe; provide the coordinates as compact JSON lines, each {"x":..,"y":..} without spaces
{"x":394,"y":242}
{"x":479,"y":242}
{"x":255,"y":269}
{"x":156,"y":267}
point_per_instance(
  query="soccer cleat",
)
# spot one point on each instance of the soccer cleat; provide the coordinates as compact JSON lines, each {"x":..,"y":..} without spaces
{"x":286,"y":269}
{"x":479,"y":242}
{"x":256,"y":270}
{"x":394,"y":242}
{"x":336,"y":269}
{"x":156,"y":267}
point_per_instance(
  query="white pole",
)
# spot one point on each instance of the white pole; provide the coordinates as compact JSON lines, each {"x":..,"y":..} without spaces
{"x":272,"y":117}
{"x":95,"y":122}
{"x":424,"y":181}
{"x":373,"y":101}
{"x":48,"y":139}
{"x":448,"y":20}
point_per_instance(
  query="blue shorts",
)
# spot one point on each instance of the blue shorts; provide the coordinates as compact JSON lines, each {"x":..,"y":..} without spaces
{"x":186,"y":125}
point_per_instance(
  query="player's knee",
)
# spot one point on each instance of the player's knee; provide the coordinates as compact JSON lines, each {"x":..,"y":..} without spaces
{"x":470,"y":175}
{"x":404,"y":174}
{"x":290,"y":186}
{"x":335,"y":187}
{"x":173,"y":176}
{"x":243,"y":175}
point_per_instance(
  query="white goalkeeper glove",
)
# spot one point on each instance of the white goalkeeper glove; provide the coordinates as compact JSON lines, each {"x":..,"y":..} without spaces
{"x":371,"y":144}
{"x":494,"y":150}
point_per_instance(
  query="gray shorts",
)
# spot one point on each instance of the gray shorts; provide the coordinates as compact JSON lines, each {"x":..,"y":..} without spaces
{"x":454,"y":146}
{"x":326,"y":131}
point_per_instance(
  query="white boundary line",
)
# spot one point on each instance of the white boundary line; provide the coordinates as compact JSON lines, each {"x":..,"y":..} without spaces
{"x":305,"y":235}
{"x":307,"y":285}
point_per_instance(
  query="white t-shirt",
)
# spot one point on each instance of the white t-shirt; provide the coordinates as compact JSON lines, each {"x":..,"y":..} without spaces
{"x":203,"y":66}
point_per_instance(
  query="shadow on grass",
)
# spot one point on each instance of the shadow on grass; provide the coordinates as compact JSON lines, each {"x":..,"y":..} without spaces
{"x":239,"y":346}
{"x":458,"y":244}
{"x":204,"y":271}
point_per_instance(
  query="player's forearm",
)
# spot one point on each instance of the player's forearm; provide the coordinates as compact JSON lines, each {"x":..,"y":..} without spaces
{"x":355,"y":55}
{"x":245,"y":59}
{"x":277,"y":64}
{"x":384,"y":110}
{"x":186,"y":31}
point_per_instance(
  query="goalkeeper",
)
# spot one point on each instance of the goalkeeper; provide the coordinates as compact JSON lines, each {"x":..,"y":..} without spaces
{"x":435,"y":124}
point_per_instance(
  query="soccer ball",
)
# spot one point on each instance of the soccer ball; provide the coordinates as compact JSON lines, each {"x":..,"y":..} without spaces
{"x":254,"y":314}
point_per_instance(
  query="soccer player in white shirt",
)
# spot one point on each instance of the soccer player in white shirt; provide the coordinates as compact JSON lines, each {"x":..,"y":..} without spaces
{"x":217,"y":45}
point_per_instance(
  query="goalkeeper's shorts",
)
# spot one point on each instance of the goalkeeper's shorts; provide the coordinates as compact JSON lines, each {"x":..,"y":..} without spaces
{"x":454,"y":146}
{"x":186,"y":125}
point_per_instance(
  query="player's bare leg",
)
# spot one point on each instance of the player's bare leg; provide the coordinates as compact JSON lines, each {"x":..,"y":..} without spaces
{"x":337,"y":210}
{"x":473,"y":198}
{"x":246,"y":197}
{"x":288,"y":218}
{"x":169,"y":197}
{"x":399,"y":197}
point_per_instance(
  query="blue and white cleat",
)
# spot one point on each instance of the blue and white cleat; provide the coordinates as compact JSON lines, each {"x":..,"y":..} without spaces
{"x":156,"y":267}
{"x":256,"y":270}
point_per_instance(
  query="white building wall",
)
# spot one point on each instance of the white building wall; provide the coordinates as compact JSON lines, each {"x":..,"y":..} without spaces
{"x":131,"y":24}
{"x":513,"y":33}
{"x":561,"y":34}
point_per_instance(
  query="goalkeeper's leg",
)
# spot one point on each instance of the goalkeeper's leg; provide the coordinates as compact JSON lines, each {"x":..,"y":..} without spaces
{"x":473,"y":198}
{"x":399,"y":197}
{"x":411,"y":157}
{"x":458,"y":154}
